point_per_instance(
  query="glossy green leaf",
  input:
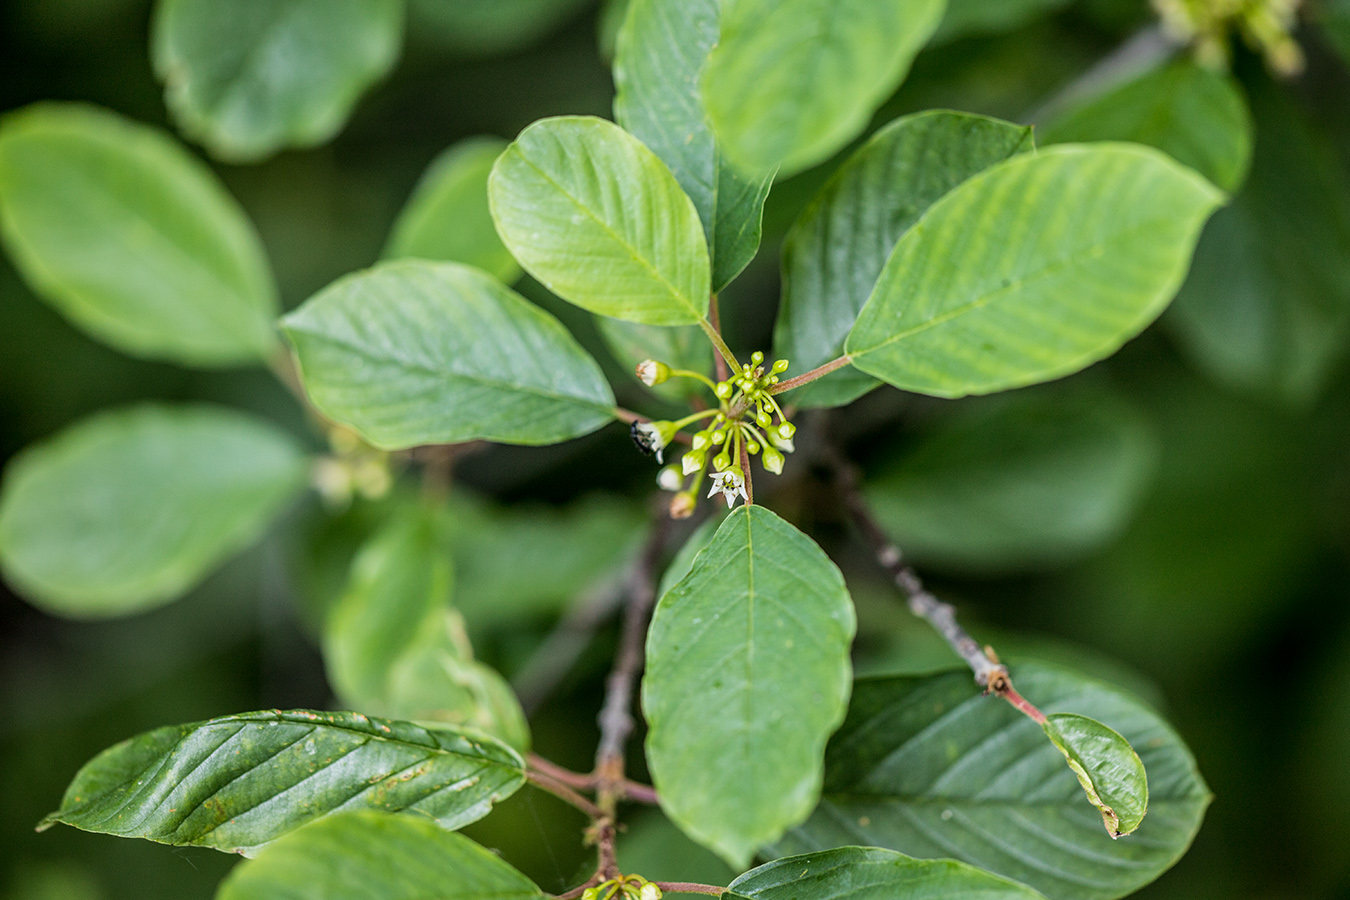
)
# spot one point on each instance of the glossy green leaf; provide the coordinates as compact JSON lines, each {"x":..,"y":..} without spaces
{"x":682,"y":563}
{"x":487,"y":27}
{"x":1032,"y":270}
{"x":448,"y":218}
{"x":680,"y":347}
{"x":127,"y":510}
{"x":791,"y":82}
{"x":662,"y":47}
{"x":1193,"y":114}
{"x":747,"y":675}
{"x":1107,"y":767}
{"x":237,"y":782}
{"x":131,"y":238}
{"x":249,"y":79}
{"x":969,"y":17}
{"x":401,"y":578}
{"x":842,"y":239}
{"x":869,"y":873}
{"x":931,"y":767}
{"x":1266,"y":309}
{"x":414,"y":352}
{"x":598,"y":219}
{"x":1028,"y":480}
{"x":369,"y":856}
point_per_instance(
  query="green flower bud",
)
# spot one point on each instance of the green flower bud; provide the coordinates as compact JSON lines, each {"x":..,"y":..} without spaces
{"x":723,"y":390}
{"x":651,"y":372}
{"x":779,"y":367}
{"x":763,"y":419}
{"x":721,"y":461}
{"x":693,"y":461}
{"x":649,"y":891}
{"x":773,"y":461}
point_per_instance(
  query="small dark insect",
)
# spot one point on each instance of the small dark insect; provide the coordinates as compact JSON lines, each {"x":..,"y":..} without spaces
{"x":643,"y":438}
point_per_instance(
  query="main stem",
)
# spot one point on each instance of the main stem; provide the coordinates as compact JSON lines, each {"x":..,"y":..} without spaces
{"x":990,"y":674}
{"x":616,"y":717}
{"x":715,"y":335}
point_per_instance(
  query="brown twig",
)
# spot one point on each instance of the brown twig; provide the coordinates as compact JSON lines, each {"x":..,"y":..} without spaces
{"x":806,"y":377}
{"x":564,"y":793}
{"x":550,"y":664}
{"x":990,"y":674}
{"x":688,"y":887}
{"x":616,"y":718}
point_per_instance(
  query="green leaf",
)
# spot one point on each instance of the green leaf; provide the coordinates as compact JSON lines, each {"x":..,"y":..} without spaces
{"x":747,"y":675}
{"x":249,"y":80}
{"x":840,"y":243}
{"x":683,"y":562}
{"x":401,"y":578}
{"x":448,"y":218}
{"x":792,"y":81}
{"x":969,"y":17}
{"x":1106,"y":766}
{"x":237,"y":782}
{"x":413,"y":352}
{"x":1032,"y":270}
{"x":438,"y":680}
{"x":931,"y":767}
{"x":662,"y":47}
{"x":1025,"y":481}
{"x":129,"y":509}
{"x":369,"y":856}
{"x":1266,"y":309}
{"x":132,"y":239}
{"x":1193,"y":114}
{"x":394,"y":647}
{"x":868,"y":873}
{"x":598,"y":219}
{"x":486,"y":27}
{"x":681,"y":347}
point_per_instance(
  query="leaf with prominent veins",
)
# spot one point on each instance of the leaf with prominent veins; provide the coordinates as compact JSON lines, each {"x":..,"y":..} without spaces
{"x":237,"y":782}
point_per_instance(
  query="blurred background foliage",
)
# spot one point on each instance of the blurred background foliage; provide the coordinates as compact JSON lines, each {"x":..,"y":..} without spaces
{"x":1174,"y":519}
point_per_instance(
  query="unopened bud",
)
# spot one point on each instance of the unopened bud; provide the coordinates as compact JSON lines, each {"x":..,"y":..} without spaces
{"x":649,"y":892}
{"x":779,"y":367}
{"x":682,"y":505}
{"x":787,"y":430}
{"x":670,"y":478}
{"x":590,"y":894}
{"x":723,"y":390}
{"x":773,"y":461}
{"x":651,"y":372}
{"x":763,"y":419}
{"x":756,"y":358}
{"x":693,"y":461}
{"x":721,"y":461}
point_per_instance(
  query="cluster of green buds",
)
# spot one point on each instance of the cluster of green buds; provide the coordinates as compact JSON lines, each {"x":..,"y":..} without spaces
{"x":625,"y":887}
{"x":354,"y":468}
{"x":746,"y":422}
{"x":1266,"y":25}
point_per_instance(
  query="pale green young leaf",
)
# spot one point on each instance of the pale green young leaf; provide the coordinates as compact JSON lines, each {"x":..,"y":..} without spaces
{"x":248,"y":79}
{"x":596,"y":217}
{"x":1024,"y":481}
{"x":869,"y":873}
{"x":1266,"y":309}
{"x":969,"y":17}
{"x":1193,"y":114}
{"x":436,"y":679}
{"x":447,"y":218}
{"x":128,"y":510}
{"x":747,"y":675}
{"x":680,"y":347}
{"x":661,"y":49}
{"x":1107,"y":767}
{"x":413,"y":352}
{"x":933,"y":768}
{"x":238,"y":782}
{"x":132,"y":238}
{"x":1032,"y":270}
{"x":401,"y":578}
{"x":789,"y":83}
{"x":372,"y":856}
{"x":842,"y":239}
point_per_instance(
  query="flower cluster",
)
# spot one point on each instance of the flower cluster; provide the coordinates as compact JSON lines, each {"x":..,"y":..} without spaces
{"x":746,"y":422}
{"x":1266,"y":25}
{"x":625,"y":887}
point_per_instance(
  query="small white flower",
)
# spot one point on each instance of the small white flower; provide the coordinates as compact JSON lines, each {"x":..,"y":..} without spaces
{"x":731,"y":484}
{"x":652,"y":437}
{"x":651,"y":372}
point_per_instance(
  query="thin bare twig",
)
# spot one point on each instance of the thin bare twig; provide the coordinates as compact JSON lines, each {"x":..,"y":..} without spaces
{"x":688,"y":887}
{"x":990,"y":674}
{"x":564,"y":793}
{"x":808,"y":377}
